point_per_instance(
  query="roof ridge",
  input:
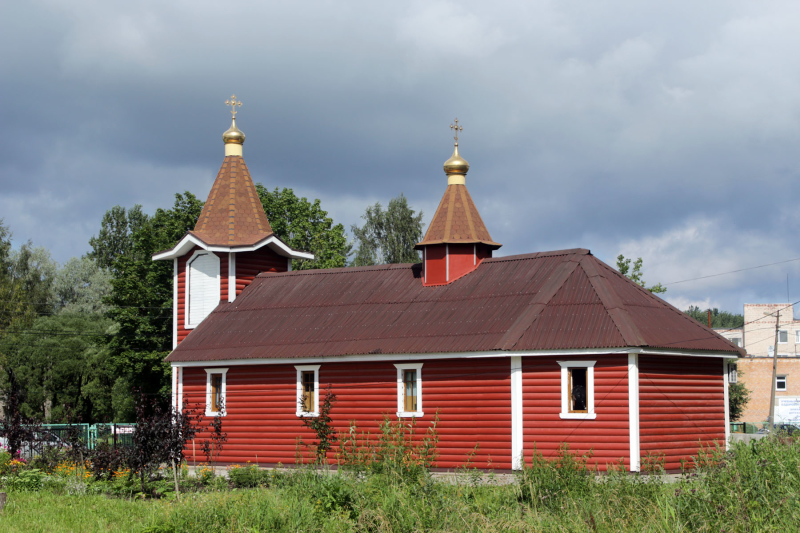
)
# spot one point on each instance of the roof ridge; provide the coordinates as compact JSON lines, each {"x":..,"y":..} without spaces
{"x":536,"y":255}
{"x":538,"y":303}
{"x":666,"y":304}
{"x":612,"y":303}
{"x":339,"y":270}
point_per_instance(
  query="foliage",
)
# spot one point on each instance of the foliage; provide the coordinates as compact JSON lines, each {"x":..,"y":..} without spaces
{"x":117,"y":236}
{"x":634,"y":273}
{"x":212,"y":446}
{"x":752,"y":487}
{"x":398,"y":452}
{"x":322,"y":427}
{"x":141,"y":296}
{"x":81,"y":286}
{"x":550,"y":484}
{"x":305,"y":226}
{"x":18,"y":431}
{"x":719,"y":319}
{"x":388,"y":236}
{"x":738,"y":397}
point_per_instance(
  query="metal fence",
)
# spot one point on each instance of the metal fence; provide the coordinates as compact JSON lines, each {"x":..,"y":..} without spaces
{"x":91,"y":435}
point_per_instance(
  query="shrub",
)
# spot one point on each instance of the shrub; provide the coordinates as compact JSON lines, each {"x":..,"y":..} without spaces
{"x":549,"y":483}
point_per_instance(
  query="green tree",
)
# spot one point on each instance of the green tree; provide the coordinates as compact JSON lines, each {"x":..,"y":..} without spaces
{"x":634,"y":273}
{"x":305,"y":226}
{"x":62,"y":360}
{"x":141,"y":303}
{"x":719,"y":319}
{"x":738,"y":397}
{"x":115,"y":238}
{"x":388,"y":236}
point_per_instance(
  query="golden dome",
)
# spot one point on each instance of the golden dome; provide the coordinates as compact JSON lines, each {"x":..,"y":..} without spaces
{"x":456,"y":164}
{"x":234,"y":135}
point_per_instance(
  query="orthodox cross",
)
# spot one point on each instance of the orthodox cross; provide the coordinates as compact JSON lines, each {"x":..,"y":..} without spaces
{"x":233,"y":102}
{"x":456,"y":128}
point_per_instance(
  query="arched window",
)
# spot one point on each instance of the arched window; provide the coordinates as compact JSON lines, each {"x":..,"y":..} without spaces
{"x":202,"y":287}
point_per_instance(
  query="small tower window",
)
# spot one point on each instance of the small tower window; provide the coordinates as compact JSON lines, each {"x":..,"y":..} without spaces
{"x":203,"y":287}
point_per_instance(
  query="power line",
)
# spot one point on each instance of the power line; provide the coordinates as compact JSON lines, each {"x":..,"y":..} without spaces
{"x":732,"y":271}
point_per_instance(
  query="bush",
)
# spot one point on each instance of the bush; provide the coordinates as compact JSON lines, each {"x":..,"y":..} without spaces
{"x":247,"y":476}
{"x":549,"y":483}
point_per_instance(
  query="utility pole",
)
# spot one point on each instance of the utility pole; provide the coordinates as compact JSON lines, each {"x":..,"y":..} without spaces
{"x":774,"y":374}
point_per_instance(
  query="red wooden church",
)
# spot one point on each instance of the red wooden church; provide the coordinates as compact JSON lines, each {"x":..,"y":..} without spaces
{"x":513,"y":352}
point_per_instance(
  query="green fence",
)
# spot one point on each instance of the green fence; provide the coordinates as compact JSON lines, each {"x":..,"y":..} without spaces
{"x":743,"y":427}
{"x":91,"y":434}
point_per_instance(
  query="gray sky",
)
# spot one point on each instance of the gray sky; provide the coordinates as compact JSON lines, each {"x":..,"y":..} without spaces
{"x":666,"y":130}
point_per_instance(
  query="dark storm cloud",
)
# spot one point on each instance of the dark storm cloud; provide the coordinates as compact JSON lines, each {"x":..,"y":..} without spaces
{"x":669,"y":131}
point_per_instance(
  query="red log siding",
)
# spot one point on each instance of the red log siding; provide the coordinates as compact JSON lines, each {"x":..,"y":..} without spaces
{"x":250,"y":264}
{"x":607,"y":436}
{"x":473,"y":398}
{"x":681,"y":406}
{"x":462,"y":260}
{"x":224,"y":264}
{"x":435,"y":264}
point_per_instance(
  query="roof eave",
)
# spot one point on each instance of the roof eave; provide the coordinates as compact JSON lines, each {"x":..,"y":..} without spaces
{"x":190,"y":240}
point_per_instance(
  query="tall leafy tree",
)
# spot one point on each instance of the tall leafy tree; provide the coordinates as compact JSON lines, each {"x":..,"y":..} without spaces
{"x":115,"y":238}
{"x":141,"y":302}
{"x":388,"y":236}
{"x":305,"y":226}
{"x":634,"y":273}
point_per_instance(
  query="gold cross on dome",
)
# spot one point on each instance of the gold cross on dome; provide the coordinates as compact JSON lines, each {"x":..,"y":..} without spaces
{"x":456,"y":128}
{"x":233,"y":102}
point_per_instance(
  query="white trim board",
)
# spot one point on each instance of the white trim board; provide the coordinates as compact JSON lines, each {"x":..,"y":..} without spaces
{"x":517,"y":434}
{"x":439,"y":355}
{"x":190,"y":241}
{"x":633,"y":412}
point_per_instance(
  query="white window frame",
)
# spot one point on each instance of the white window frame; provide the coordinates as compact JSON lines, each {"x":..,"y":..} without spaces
{"x":401,"y":412}
{"x":780,"y":331}
{"x":224,"y":393}
{"x":589,"y":366}
{"x":797,"y":336}
{"x":785,"y":380}
{"x":737,"y":341}
{"x":733,"y":373}
{"x":188,"y":290}
{"x":299,"y":401}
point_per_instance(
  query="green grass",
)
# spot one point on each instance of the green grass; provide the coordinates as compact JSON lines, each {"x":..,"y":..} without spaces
{"x":750,"y":488}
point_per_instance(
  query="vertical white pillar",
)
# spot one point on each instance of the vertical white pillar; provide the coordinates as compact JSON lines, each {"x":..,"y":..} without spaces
{"x":425,"y":264}
{"x":289,"y":265}
{"x":633,"y":411}
{"x":175,"y":387}
{"x":231,"y":276}
{"x":726,"y":369}
{"x":174,"y":303}
{"x":180,"y":387}
{"x":516,"y":413}
{"x":447,"y":262}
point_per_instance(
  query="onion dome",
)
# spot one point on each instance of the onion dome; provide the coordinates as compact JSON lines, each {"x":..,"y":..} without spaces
{"x":234,"y":135}
{"x":456,"y":164}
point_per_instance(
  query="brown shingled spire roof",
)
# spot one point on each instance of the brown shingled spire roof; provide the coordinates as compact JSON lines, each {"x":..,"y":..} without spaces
{"x":457,"y":221}
{"x":233,"y":214}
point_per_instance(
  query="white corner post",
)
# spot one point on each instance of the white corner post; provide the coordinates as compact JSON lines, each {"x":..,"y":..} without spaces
{"x":633,"y":411}
{"x":231,"y":276}
{"x":174,"y":303}
{"x":516,"y":413}
{"x":726,"y":369}
{"x":175,"y":388}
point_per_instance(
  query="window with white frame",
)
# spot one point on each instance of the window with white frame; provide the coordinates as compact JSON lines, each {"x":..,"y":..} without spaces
{"x":307,"y":390}
{"x":733,"y":375}
{"x":216,"y":390}
{"x":783,"y":336}
{"x":577,"y":390}
{"x":737,"y":341}
{"x":797,"y":336}
{"x":202,"y":287}
{"x":780,"y":383}
{"x":409,"y":390}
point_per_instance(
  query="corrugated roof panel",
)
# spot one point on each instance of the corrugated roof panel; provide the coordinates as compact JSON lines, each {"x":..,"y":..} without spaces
{"x":386,"y":310}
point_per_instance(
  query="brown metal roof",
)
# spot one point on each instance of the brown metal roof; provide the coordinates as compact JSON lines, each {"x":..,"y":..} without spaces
{"x":457,"y":221}
{"x":232,"y":215}
{"x":545,"y":301}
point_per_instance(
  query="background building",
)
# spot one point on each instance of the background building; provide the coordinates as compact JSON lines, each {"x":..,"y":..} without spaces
{"x":757,"y":336}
